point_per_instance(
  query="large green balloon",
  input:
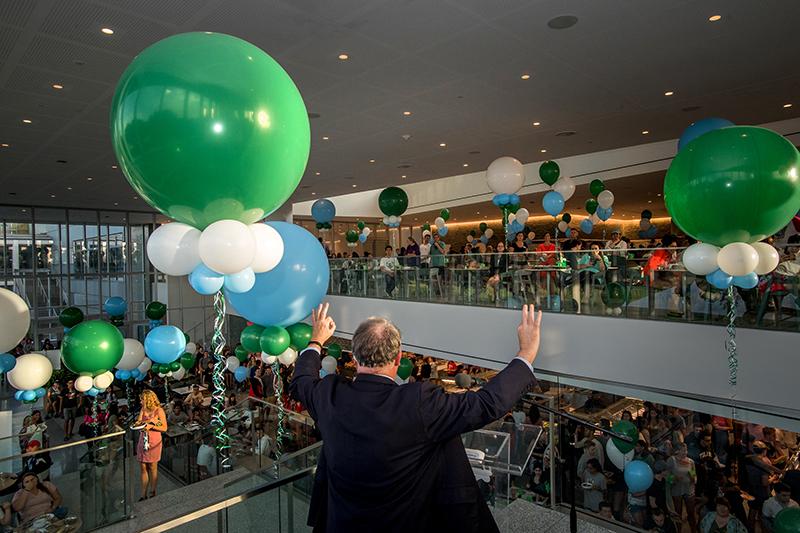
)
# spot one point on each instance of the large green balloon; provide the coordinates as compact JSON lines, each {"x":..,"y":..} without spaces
{"x":351,"y":235}
{"x":207,"y":127}
{"x":483,"y":226}
{"x":241,"y":353}
{"x":335,"y":350}
{"x":614,"y":295}
{"x":299,"y":335}
{"x":70,"y":317}
{"x":405,"y":368}
{"x":274,"y":340}
{"x":736,"y":184}
{"x":596,"y":187}
{"x":92,"y":347}
{"x":549,"y":172}
{"x":360,"y":225}
{"x":445,"y":214}
{"x":155,"y":310}
{"x":251,"y":338}
{"x":187,"y":360}
{"x":591,"y":206}
{"x":787,"y":520}
{"x":393,"y":201}
{"x":626,"y":428}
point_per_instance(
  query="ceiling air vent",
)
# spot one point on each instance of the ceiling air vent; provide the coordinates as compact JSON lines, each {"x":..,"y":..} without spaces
{"x":563,"y":22}
{"x":565,"y":133}
{"x":404,"y":165}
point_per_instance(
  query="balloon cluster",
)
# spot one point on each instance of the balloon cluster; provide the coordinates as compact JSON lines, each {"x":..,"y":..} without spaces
{"x":364,"y":231}
{"x":323,"y":212}
{"x":155,"y":311}
{"x":91,"y":349}
{"x":485,"y":231}
{"x":393,"y":202}
{"x":115,"y":307}
{"x":646,"y":228}
{"x":441,"y":222}
{"x":515,"y":221}
{"x":505,"y":177}
{"x":275,"y":343}
{"x":730,"y":187}
{"x":638,"y":474}
{"x":562,"y":188}
{"x":563,"y":224}
{"x":599,"y":207}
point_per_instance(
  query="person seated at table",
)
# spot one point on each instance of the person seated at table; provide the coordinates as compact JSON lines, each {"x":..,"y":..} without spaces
{"x":519,"y":243}
{"x":388,"y":266}
{"x":177,"y":415}
{"x":546,"y":249}
{"x":595,"y":263}
{"x":52,"y":401}
{"x":498,"y":265}
{"x":37,"y":498}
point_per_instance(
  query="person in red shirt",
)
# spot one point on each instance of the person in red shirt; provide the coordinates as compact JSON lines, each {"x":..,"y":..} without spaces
{"x":547,"y":257}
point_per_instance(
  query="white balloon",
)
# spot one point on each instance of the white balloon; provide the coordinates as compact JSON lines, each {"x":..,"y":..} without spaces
{"x":737,"y":259}
{"x":227,"y":246}
{"x":768,"y":258}
{"x":701,"y":258}
{"x":32,"y":371}
{"x":565,"y":187}
{"x":190,"y":348}
{"x":269,"y":247}
{"x":511,"y":217}
{"x":644,"y":224}
{"x":83,"y":383}
{"x":177,"y":375}
{"x":15,"y":319}
{"x":394,"y":219}
{"x":104,"y":380}
{"x":563,"y":226}
{"x":489,"y":233}
{"x":168,"y":374}
{"x":386,"y":220}
{"x":174,"y":249}
{"x":522,"y":215}
{"x":231,"y":363}
{"x":605,"y":199}
{"x":288,"y":357}
{"x":595,"y":219}
{"x":268,"y":359}
{"x":618,"y":458}
{"x":329,"y":364}
{"x":505,"y":175}
{"x":145,"y":365}
{"x":132,"y":354}
{"x":366,"y":231}
{"x":470,"y":238}
{"x":439,"y":222}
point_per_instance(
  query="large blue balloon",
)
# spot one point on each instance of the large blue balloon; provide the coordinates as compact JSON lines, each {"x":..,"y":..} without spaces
{"x":165,"y":344}
{"x":240,"y":373}
{"x":115,"y":306}
{"x":604,"y":213}
{"x":696,"y":129}
{"x":287,"y":293}
{"x":586,"y":226}
{"x":720,"y":279}
{"x":638,"y":476}
{"x":323,"y":210}
{"x":205,"y":281}
{"x":7,"y":362}
{"x":553,"y":203}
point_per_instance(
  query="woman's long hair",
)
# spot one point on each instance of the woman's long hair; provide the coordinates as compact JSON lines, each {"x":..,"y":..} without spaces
{"x":39,"y":485}
{"x":150,"y":400}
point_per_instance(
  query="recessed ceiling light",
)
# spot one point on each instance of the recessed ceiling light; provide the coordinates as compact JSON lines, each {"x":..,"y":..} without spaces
{"x":69,"y":188}
{"x":465,"y":164}
{"x":477,"y":212}
{"x":645,"y":132}
{"x":649,"y":201}
{"x":114,"y":167}
{"x":52,"y":196}
{"x":4,"y":145}
{"x":27,"y":121}
{"x":714,"y":18}
{"x":407,"y":113}
{"x":313,"y":193}
{"x":525,"y":77}
{"x":443,"y":145}
{"x":543,"y":150}
{"x":57,"y":86}
{"x":89,"y":178}
{"x":403,"y":176}
{"x":787,"y":106}
{"x":116,"y":203}
{"x":325,"y":138}
{"x":24,"y":210}
{"x":107,"y":31}
{"x":371,"y":160}
{"x":354,"y":185}
{"x":669,"y":93}
{"x":537,"y":123}
{"x":135,"y":197}
{"x":659,"y":194}
{"x":343,"y":57}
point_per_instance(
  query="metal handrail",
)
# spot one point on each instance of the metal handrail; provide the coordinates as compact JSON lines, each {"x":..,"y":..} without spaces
{"x":229,"y":502}
{"x":62,"y":446}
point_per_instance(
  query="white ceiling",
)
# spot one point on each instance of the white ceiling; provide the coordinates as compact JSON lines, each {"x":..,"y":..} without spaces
{"x":456,"y":64}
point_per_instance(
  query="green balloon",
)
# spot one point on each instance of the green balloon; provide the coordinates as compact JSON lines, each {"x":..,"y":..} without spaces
{"x":405,"y":368}
{"x":483,"y":226}
{"x":299,"y":335}
{"x":735,"y":184}
{"x":274,"y":340}
{"x":334,"y":350}
{"x":445,"y":214}
{"x":70,"y":317}
{"x":549,"y":172}
{"x":187,"y":361}
{"x":629,"y":430}
{"x":251,"y":338}
{"x":472,"y":233}
{"x":208,"y":127}
{"x":513,"y":208}
{"x":787,"y":520}
{"x":596,"y":187}
{"x":426,"y":227}
{"x":155,"y":311}
{"x":186,"y":336}
{"x":393,"y":201}
{"x":591,"y":206}
{"x":647,"y":214}
{"x":614,"y":295}
{"x":566,"y":217}
{"x":351,"y":235}
{"x":241,"y":353}
{"x":92,"y":347}
{"x":360,"y":225}
{"x":175,"y":366}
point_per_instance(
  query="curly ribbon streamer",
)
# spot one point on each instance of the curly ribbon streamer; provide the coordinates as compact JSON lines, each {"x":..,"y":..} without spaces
{"x":222,"y":439}
{"x":280,"y":434}
{"x":730,"y":343}
{"x":95,"y":423}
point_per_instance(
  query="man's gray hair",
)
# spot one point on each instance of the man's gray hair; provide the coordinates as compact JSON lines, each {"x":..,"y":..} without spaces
{"x":376,"y":342}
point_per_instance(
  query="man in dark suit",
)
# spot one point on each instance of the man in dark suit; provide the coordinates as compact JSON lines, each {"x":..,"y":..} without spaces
{"x":393,"y":460}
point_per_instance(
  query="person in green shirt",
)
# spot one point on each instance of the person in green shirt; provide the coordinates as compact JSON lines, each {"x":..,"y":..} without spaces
{"x":438,"y":251}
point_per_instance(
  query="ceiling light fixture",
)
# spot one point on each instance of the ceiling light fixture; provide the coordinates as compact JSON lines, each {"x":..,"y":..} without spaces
{"x":537,"y":123}
{"x":116,"y":203}
{"x":114,"y":167}
{"x":52,"y":196}
{"x":407,"y":113}
{"x":135,"y":197}
{"x":316,"y":173}
{"x":669,"y":93}
{"x":714,"y":18}
{"x":403,"y":176}
{"x":543,"y":150}
{"x":354,"y":185}
{"x":343,"y":57}
{"x":525,"y":77}
{"x":645,"y":132}
{"x":4,"y":145}
{"x":371,"y":160}
{"x":465,"y":164}
{"x":69,"y":188}
{"x":313,"y":193}
{"x":57,"y":86}
{"x":27,"y":121}
{"x":89,"y":178}
{"x":787,"y":106}
{"x":325,"y":138}
{"x":107,"y":31}
{"x":443,"y":145}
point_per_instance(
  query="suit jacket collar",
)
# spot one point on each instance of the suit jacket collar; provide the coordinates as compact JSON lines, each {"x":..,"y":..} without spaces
{"x":374,"y":378}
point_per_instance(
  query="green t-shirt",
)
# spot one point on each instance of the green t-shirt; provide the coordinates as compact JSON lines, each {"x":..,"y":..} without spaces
{"x":437,"y":257}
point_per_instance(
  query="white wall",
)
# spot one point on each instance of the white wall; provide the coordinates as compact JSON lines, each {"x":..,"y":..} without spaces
{"x":643,"y":357}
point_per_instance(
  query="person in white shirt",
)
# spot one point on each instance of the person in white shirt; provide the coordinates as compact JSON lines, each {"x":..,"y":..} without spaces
{"x":619,"y":254}
{"x":425,"y":249}
{"x":388,"y":266}
{"x":774,"y":505}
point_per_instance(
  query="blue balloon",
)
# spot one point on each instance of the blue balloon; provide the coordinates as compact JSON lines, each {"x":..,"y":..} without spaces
{"x":502,"y":199}
{"x":604,"y":213}
{"x":568,"y":233}
{"x":40,"y":392}
{"x":553,"y":203}
{"x":496,"y":200}
{"x":484,"y":239}
{"x":18,"y":395}
{"x":719,"y":279}
{"x":115,"y":306}
{"x":241,"y":281}
{"x":7,"y":362}
{"x":586,"y":226}
{"x":141,"y":377}
{"x":696,"y":129}
{"x":651,"y":232}
{"x":323,"y":210}
{"x":154,"y":324}
{"x":748,"y":281}
{"x":29,"y":395}
{"x":205,"y":281}
{"x":442,"y":231}
{"x":287,"y":293}
{"x":513,"y":199}
{"x":322,"y":373}
{"x":362,"y":238}
{"x":165,"y":344}
{"x":240,"y":373}
{"x":638,"y":476}
{"x":135,"y":373}
{"x":122,"y":375}
{"x":94,"y":391}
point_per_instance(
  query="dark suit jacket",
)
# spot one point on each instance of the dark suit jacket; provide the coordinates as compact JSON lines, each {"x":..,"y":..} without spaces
{"x":393,"y":456}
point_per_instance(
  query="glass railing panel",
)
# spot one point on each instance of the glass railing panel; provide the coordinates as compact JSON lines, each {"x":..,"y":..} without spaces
{"x":644,"y":284}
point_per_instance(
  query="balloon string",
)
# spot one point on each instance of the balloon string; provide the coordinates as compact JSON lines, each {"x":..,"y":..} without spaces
{"x":129,"y":395}
{"x":730,"y":343}
{"x":280,"y":433}
{"x":94,"y":415}
{"x":221,"y":437}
